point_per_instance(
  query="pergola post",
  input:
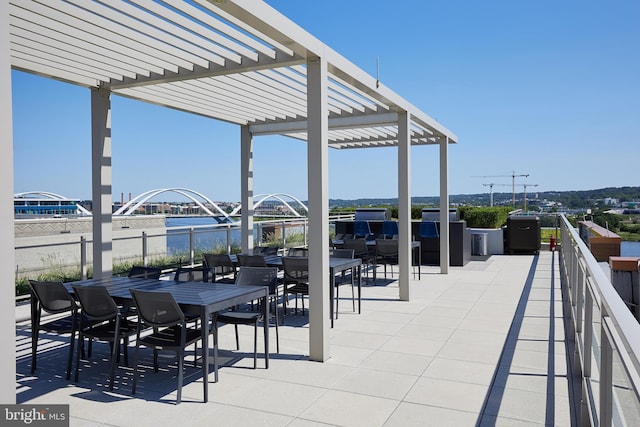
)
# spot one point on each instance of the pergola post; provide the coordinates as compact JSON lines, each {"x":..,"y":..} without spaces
{"x":246,"y":188}
{"x":318,"y":184}
{"x":404,"y":204}
{"x":101,"y":182}
{"x":7,"y":264}
{"x":444,"y":204}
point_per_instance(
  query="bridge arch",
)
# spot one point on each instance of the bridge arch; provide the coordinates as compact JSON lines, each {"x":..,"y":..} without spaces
{"x":133,"y":204}
{"x":261,"y":198}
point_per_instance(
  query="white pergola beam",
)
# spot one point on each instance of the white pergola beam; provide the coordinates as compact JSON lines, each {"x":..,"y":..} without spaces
{"x":352,"y":122}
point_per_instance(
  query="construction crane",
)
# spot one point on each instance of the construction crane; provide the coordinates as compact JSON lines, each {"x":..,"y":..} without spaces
{"x":492,"y":184}
{"x":513,"y":183}
{"x":525,"y":194}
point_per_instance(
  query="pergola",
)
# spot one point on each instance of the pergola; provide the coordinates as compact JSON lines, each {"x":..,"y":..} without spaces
{"x":239,"y":61}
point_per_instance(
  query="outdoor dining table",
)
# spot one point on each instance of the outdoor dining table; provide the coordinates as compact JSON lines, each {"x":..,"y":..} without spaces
{"x":336,"y":266}
{"x":199,"y":298}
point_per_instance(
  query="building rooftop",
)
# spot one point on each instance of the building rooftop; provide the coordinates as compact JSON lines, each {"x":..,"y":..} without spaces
{"x":483,"y":345}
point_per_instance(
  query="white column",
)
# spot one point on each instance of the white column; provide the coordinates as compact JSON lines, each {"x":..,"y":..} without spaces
{"x":246,"y":171}
{"x":101,"y":182}
{"x":7,"y":260}
{"x":318,"y":182}
{"x":444,"y":205}
{"x":404,"y":204}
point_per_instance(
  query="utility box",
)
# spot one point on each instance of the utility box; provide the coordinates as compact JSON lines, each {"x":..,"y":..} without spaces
{"x":522,"y":234}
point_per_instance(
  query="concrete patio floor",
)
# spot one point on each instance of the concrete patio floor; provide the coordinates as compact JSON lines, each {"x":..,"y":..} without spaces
{"x":482,"y":346}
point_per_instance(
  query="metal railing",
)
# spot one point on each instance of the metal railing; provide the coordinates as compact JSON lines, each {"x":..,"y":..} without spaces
{"x":287,"y":232}
{"x":607,"y":338}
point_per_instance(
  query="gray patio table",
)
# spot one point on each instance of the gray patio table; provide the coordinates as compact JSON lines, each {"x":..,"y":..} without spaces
{"x":336,"y":265}
{"x":203,"y":299}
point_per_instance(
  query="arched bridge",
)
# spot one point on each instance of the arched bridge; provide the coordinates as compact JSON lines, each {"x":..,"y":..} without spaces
{"x":132,"y":205}
{"x":261,"y":198}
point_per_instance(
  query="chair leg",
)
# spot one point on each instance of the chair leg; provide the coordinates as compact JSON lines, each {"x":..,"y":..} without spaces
{"x":135,"y":366}
{"x":337,"y":300}
{"x":116,"y":349}
{"x":72,"y":341}
{"x":255,"y":345}
{"x":277,"y":335}
{"x":180,"y":374}
{"x":80,"y":343}
{"x":237,"y":338}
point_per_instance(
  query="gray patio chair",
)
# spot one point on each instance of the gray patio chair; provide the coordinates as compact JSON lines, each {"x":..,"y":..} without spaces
{"x":251,"y":260}
{"x":221,"y":267}
{"x":159,"y":310}
{"x":344,"y":253}
{"x":193,"y":274}
{"x":53,"y":298}
{"x":361,"y":250}
{"x":106,"y":323}
{"x":251,"y":276}
{"x":142,"y":272}
{"x":295,"y":280}
{"x":386,"y":254}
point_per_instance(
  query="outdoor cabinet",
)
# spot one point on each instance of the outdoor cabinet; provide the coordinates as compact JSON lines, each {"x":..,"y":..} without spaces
{"x":459,"y":244}
{"x":522,"y":234}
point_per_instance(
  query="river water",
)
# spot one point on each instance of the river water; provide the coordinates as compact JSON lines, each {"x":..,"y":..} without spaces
{"x":204,"y":238}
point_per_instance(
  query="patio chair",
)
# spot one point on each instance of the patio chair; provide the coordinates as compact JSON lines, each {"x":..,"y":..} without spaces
{"x":53,"y":298}
{"x":390,"y":229}
{"x":251,"y":260}
{"x":251,"y":276}
{"x":361,"y":250}
{"x":265,"y":250}
{"x":344,"y":253}
{"x":106,"y":324}
{"x":221,"y":267}
{"x":159,"y":310}
{"x":295,"y":280}
{"x":428,"y":229}
{"x":386,"y":254}
{"x":361,"y":229}
{"x":141,"y":272}
{"x":298,"y":252}
{"x":193,"y":274}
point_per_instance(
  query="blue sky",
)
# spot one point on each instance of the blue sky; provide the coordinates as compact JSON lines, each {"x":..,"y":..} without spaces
{"x":545,"y":88}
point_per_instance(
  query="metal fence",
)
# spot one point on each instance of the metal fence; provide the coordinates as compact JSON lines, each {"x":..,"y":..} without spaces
{"x":607,"y":338}
{"x":76,"y":256}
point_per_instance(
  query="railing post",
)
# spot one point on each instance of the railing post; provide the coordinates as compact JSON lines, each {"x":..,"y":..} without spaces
{"x":575,"y":260}
{"x":259,"y":236}
{"x":606,"y":375}
{"x":587,"y":338}
{"x":304,"y":232}
{"x":144,"y":249}
{"x":228,"y":239}
{"x":83,"y":257}
{"x":191,"y":246}
{"x":284,"y":237}
{"x":580,"y":296}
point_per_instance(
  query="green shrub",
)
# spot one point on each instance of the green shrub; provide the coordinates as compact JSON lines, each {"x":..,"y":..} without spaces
{"x":492,"y":217}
